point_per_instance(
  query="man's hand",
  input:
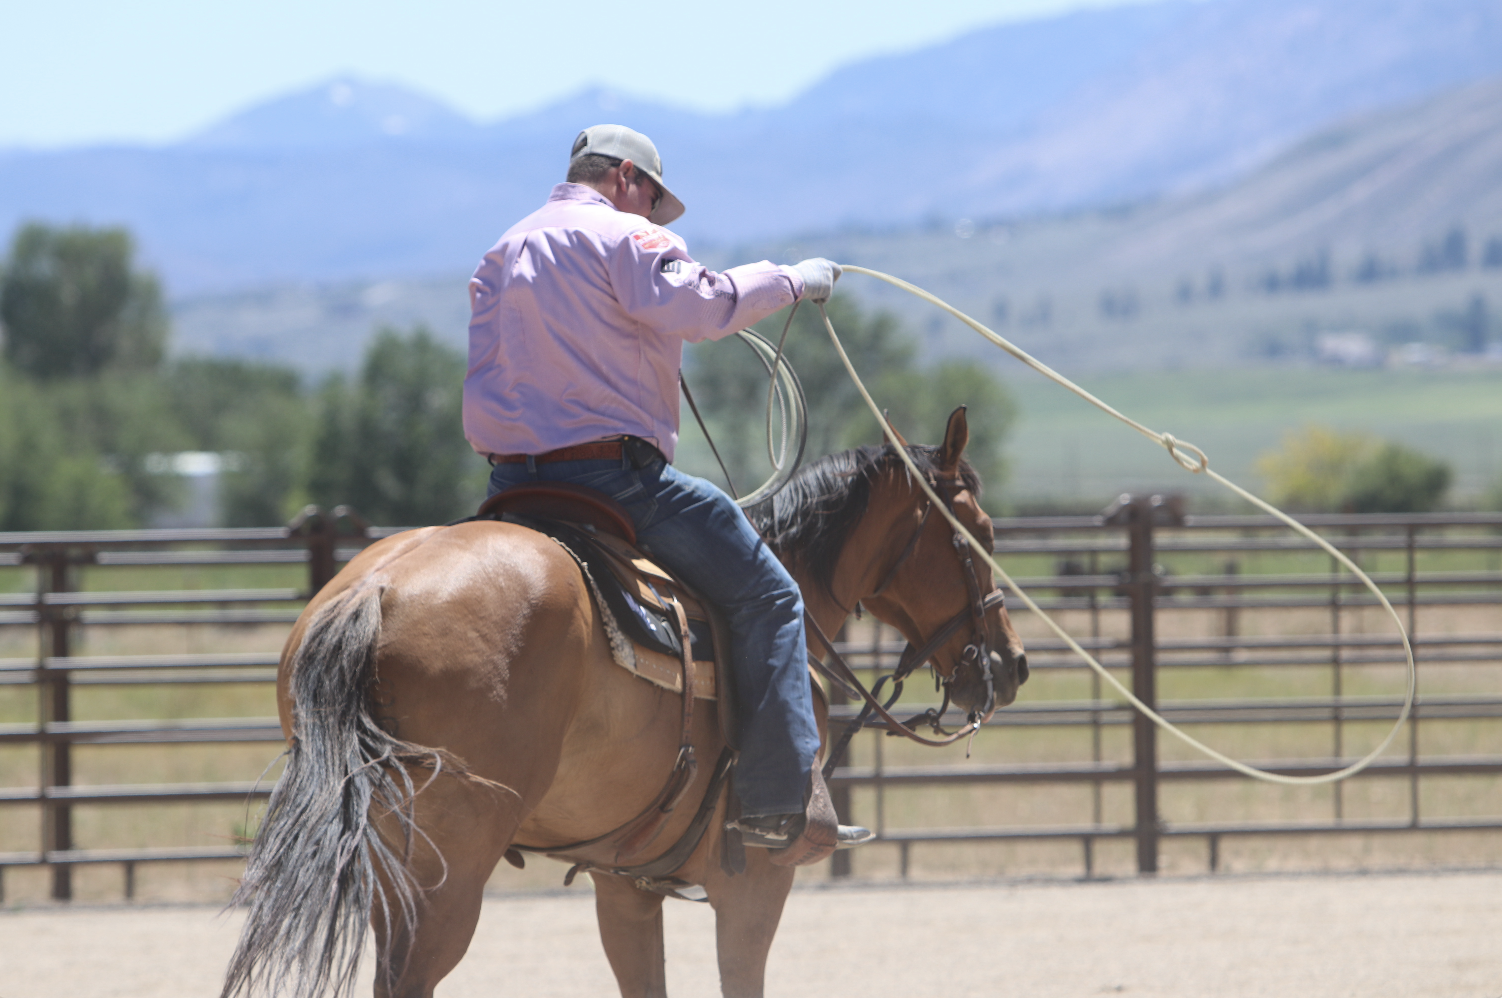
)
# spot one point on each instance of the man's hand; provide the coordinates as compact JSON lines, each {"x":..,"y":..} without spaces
{"x":818,"y":276}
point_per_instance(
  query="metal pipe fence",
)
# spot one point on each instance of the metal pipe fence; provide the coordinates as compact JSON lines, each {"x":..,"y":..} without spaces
{"x":1256,"y":606}
{"x":1154,"y":593}
{"x":61,"y":605}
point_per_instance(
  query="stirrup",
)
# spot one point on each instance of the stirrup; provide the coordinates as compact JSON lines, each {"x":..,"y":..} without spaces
{"x":779,"y":830}
{"x":772,"y":831}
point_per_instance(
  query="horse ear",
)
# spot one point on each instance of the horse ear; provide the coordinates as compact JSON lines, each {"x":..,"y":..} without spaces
{"x":900,"y":441}
{"x":956,"y":436}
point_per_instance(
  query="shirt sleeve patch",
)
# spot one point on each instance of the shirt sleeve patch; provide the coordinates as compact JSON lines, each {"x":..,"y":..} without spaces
{"x":652,"y":238}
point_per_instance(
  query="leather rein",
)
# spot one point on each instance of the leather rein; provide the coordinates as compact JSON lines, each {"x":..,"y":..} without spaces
{"x":976,"y":653}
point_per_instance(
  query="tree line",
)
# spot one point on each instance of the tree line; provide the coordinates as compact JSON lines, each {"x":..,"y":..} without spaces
{"x":730,"y":386}
{"x":91,"y":400}
{"x":89,"y":396}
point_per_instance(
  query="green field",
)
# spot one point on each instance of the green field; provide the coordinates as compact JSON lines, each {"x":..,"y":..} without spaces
{"x":1066,"y":454}
{"x":1063,"y":448}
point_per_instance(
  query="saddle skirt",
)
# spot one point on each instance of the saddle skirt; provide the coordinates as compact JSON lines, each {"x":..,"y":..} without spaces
{"x":633,"y":593}
{"x":647,"y":588}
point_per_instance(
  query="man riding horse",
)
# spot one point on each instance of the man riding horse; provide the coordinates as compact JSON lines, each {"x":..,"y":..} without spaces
{"x":579,"y":316}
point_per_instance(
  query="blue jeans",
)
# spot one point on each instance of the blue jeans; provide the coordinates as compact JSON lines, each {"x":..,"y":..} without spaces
{"x":698,"y":533}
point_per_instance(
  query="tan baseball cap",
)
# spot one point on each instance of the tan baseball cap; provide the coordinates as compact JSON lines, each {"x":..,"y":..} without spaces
{"x":620,"y":142}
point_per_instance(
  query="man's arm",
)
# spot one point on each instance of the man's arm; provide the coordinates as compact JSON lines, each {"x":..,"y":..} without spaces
{"x":661,"y":286}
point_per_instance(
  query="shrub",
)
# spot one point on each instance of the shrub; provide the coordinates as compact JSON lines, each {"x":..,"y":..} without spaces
{"x":1319,"y":470}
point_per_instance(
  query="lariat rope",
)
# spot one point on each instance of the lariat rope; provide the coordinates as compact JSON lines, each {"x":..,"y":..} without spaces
{"x":1189,"y":457}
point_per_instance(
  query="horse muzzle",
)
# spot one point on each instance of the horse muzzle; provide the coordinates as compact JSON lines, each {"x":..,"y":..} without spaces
{"x":1010,"y":671}
{"x":987,"y":680}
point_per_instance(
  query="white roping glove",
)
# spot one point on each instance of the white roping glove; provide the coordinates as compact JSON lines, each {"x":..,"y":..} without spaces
{"x":818,"y":276}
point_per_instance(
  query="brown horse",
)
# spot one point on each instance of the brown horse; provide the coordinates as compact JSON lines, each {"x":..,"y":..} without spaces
{"x":452,"y":692}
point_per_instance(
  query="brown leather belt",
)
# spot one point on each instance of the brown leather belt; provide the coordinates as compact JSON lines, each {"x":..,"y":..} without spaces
{"x":601,"y":450}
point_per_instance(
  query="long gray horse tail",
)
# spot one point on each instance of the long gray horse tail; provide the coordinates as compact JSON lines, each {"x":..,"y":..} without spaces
{"x":319,"y":866}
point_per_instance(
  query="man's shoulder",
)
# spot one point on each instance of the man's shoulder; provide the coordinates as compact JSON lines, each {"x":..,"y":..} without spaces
{"x":583,"y":216}
{"x":592,"y":224}
{"x":649,"y":237}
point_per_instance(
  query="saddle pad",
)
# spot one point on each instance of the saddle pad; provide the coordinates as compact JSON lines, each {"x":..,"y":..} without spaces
{"x":637,"y":592}
{"x":632,"y":593}
{"x":707,"y":631}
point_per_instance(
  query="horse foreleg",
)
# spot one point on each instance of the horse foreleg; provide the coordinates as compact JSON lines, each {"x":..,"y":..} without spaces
{"x":631,"y":929}
{"x":747,"y":909}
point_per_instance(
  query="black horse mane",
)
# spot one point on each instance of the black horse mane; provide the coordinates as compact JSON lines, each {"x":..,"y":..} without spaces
{"x":809,"y":521}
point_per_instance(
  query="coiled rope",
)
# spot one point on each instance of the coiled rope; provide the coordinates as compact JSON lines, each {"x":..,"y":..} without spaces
{"x":787,"y":410}
{"x":1188,"y":457}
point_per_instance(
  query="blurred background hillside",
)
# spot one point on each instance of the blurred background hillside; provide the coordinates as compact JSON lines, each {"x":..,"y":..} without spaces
{"x":1236,"y":219}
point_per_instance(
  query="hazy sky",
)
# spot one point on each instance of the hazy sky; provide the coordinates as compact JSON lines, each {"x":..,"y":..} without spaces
{"x":84,"y":71}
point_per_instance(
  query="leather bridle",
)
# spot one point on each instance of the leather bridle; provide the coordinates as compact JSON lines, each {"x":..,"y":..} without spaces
{"x":976,"y":653}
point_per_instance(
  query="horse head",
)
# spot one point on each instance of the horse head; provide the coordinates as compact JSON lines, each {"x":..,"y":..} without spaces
{"x":938,"y":593}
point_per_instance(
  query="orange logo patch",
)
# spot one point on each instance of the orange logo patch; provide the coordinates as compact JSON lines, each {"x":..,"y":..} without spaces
{"x":652,"y":238}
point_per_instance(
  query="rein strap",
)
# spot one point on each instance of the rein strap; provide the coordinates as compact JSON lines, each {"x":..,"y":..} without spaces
{"x":845,"y":676}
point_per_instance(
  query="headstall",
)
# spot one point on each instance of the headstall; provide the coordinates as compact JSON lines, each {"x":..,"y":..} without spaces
{"x":976,"y":653}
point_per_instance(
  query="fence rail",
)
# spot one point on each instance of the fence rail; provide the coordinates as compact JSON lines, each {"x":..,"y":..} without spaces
{"x":1119,"y":579}
{"x":1137,"y":591}
{"x":58,"y":609}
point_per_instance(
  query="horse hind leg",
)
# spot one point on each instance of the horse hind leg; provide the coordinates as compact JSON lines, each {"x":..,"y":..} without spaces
{"x":464,"y":827}
{"x":631,"y":931}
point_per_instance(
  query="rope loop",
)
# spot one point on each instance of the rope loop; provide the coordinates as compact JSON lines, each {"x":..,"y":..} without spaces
{"x":1189,"y":457}
{"x":1196,"y":463}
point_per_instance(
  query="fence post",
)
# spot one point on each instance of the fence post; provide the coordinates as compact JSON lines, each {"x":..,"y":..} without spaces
{"x":322,"y":532}
{"x":54,"y":704}
{"x":319,"y":531}
{"x":1233,"y":617}
{"x":1139,"y":514}
{"x":839,"y":794}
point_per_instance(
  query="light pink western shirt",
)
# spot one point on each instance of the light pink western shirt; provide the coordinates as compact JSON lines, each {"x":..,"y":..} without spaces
{"x":578,"y":319}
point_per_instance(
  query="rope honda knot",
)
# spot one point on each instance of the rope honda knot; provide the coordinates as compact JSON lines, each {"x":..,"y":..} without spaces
{"x":1196,"y":463}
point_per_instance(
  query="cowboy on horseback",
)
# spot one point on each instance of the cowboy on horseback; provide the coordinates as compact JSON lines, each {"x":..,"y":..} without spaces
{"x":579,"y":316}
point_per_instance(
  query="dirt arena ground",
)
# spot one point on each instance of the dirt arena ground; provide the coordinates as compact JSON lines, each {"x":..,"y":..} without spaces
{"x":1399,"y":935}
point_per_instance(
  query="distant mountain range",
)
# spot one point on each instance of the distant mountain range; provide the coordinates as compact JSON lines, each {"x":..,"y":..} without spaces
{"x":1109,"y":106}
{"x":1379,"y":184}
{"x":1389,"y":223}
